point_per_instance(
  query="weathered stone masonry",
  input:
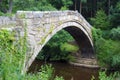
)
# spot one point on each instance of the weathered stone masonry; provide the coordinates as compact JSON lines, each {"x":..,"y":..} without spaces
{"x":41,"y":26}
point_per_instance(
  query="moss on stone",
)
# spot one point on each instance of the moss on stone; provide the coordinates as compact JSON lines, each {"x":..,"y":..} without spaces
{"x":51,"y":29}
{"x":22,"y":15}
{"x":8,"y":25}
{"x":49,"y":32}
{"x":43,"y":40}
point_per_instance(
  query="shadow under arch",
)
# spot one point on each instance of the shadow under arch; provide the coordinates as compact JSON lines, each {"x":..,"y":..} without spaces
{"x":86,"y":47}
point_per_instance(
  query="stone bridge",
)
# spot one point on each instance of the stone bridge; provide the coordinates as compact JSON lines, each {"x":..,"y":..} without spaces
{"x":42,"y":26}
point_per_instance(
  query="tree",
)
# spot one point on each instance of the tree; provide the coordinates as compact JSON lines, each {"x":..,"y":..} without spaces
{"x":10,"y":6}
{"x":108,"y":53}
{"x":6,"y":6}
{"x":115,"y":16}
{"x":67,"y":3}
{"x":3,"y":6}
{"x":75,"y":1}
{"x":115,"y":33}
{"x":34,"y":5}
{"x":101,"y":20}
{"x":82,"y":1}
{"x":60,"y":4}
{"x":109,"y":7}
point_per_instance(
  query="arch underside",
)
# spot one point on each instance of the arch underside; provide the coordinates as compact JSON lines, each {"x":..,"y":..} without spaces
{"x":86,"y":48}
{"x":80,"y":34}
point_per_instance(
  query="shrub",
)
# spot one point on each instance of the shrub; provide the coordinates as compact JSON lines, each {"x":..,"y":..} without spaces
{"x":104,"y":76}
{"x":115,"y":16}
{"x":12,"y":57}
{"x":12,"y":54}
{"x":69,"y":47}
{"x":115,"y":33}
{"x":108,"y":53}
{"x":1,"y":13}
{"x":46,"y":73}
{"x":96,"y":34}
{"x":58,"y":78}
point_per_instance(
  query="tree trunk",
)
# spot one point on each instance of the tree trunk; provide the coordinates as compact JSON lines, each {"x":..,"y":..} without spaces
{"x":10,"y":6}
{"x":91,"y":13}
{"x":94,"y":7}
{"x":80,"y":6}
{"x":0,"y":1}
{"x":97,"y":5}
{"x":109,"y":7}
{"x":75,"y":4}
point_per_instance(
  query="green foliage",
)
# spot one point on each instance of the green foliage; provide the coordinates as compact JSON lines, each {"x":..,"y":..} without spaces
{"x":40,"y":5}
{"x":59,"y":38}
{"x":115,"y":33}
{"x":34,"y":5}
{"x":83,"y":1}
{"x":67,"y":3}
{"x":69,"y":47}
{"x":108,"y":53}
{"x":89,"y":9}
{"x":101,"y":20}
{"x":107,"y":50}
{"x":115,"y":16}
{"x":58,"y":78}
{"x":1,"y":13}
{"x":61,"y":4}
{"x":46,"y":73}
{"x":6,"y":14}
{"x":103,"y":76}
{"x":12,"y":56}
{"x":64,"y":8}
{"x":96,"y":33}
{"x":4,"y":6}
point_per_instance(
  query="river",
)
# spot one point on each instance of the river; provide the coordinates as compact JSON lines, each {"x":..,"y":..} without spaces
{"x":68,"y":71}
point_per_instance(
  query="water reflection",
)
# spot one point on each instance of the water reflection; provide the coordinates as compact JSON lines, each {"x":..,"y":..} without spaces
{"x":69,"y":72}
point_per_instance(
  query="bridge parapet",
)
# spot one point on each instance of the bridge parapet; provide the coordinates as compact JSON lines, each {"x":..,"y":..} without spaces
{"x":51,"y":16}
{"x":56,"y":18}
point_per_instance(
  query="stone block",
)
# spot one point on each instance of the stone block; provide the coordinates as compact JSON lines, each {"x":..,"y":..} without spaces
{"x":29,"y":14}
{"x":0,"y":21}
{"x":38,"y":14}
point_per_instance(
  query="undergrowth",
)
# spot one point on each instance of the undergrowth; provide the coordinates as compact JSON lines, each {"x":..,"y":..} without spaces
{"x":12,"y":58}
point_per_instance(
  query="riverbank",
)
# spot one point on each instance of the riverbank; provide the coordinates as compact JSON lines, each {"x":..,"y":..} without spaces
{"x":85,"y":62}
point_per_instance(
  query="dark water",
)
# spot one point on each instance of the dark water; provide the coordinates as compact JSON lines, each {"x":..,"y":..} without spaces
{"x":69,"y":72}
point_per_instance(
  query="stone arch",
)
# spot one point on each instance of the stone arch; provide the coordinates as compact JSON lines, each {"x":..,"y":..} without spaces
{"x":35,"y":22}
{"x":70,"y":26}
{"x":78,"y":32}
